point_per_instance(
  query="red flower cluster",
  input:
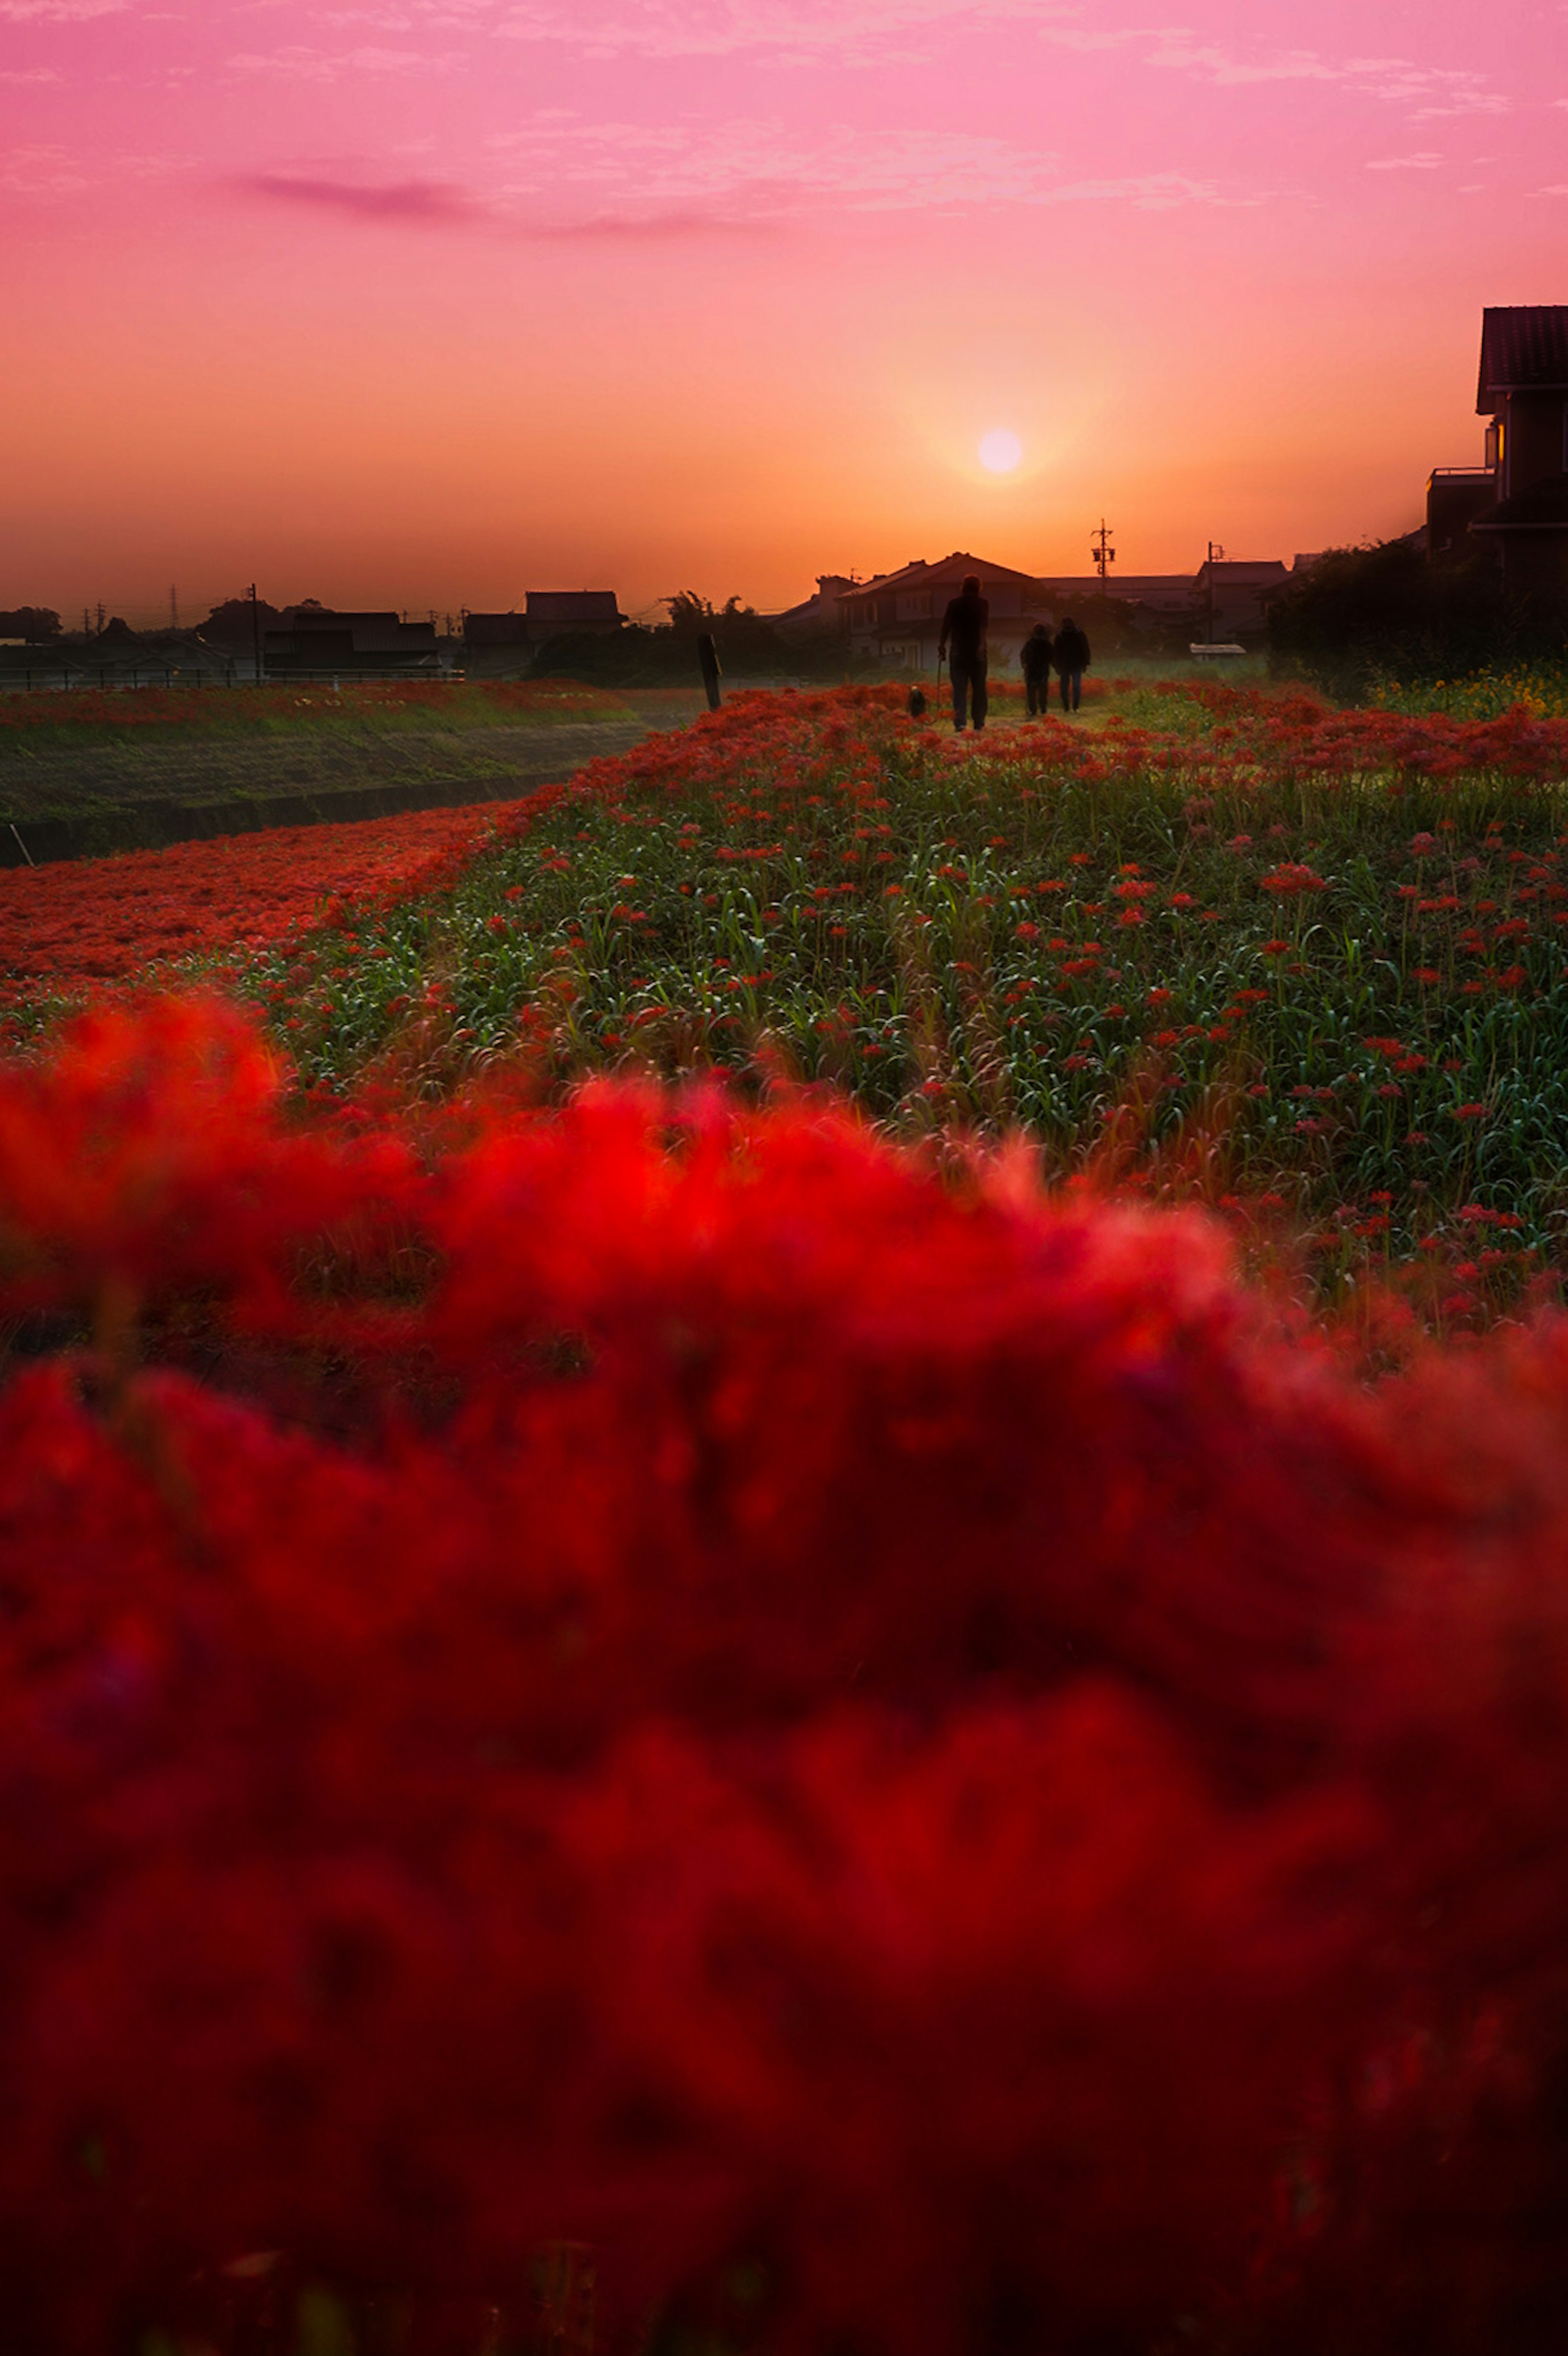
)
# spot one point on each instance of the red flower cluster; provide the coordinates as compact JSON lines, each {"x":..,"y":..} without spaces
{"x":69,"y":928}
{"x":656,"y":1676}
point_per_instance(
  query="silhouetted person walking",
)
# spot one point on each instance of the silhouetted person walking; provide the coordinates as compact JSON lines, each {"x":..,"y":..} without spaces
{"x":1034,"y":660}
{"x":1071,"y":656}
{"x":963,"y":628}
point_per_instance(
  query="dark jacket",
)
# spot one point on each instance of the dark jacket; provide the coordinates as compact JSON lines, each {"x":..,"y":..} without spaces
{"x":963,"y":626}
{"x":1070,"y":651}
{"x":1035,"y":655}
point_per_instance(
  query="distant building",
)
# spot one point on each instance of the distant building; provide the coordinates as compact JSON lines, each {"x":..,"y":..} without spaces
{"x":317,"y":639}
{"x":1230,"y":599}
{"x":555,"y":613}
{"x":1524,"y":388}
{"x":550,"y":614}
{"x":1153,"y":599}
{"x":898,"y":617}
{"x":483,"y":632}
{"x":817,"y":612}
{"x":1516,"y":502}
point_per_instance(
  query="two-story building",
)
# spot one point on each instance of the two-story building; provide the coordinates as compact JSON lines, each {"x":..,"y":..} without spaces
{"x":1516,"y":502}
{"x":548,"y":614}
{"x":1231,"y":596}
{"x":898,"y":617}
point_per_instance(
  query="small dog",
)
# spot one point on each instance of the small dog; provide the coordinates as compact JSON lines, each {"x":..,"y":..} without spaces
{"x":917,"y":702}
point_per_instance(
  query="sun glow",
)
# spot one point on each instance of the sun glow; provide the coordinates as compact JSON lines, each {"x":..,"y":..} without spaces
{"x":1000,"y":452}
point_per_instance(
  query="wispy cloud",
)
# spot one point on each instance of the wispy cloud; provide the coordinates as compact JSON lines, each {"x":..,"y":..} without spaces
{"x":1427,"y":92}
{"x":41,"y":173}
{"x":427,"y":204}
{"x":1426,"y":162}
{"x":59,"y":12}
{"x":560,"y":177}
{"x":875,"y":31}
{"x":297,"y":62}
{"x":858,"y":30}
{"x":440,"y":205}
{"x":756,"y":171}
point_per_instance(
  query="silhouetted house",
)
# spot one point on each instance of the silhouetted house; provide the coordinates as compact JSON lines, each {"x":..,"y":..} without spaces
{"x":569,"y":613}
{"x":817,"y":613}
{"x":898,"y":617}
{"x":550,"y":614}
{"x":1523,"y":388}
{"x":1230,"y":599}
{"x":1516,"y":502}
{"x":320,"y":641}
{"x":486,"y":633}
{"x":1153,"y":599}
{"x":1457,"y":497}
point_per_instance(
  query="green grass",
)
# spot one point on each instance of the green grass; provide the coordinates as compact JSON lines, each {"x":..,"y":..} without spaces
{"x":982,"y":945}
{"x":97,"y":759}
{"x":111,"y":716}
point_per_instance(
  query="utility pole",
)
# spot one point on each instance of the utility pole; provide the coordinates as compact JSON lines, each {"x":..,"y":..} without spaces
{"x":87,"y":622}
{"x":172,"y":607}
{"x":1101,"y":551}
{"x":256,"y":631}
{"x":100,"y":617}
{"x":1216,"y":556}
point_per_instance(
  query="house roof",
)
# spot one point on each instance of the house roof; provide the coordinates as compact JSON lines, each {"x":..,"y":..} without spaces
{"x":919,"y":574}
{"x":1524,"y":348}
{"x":572,"y":606}
{"x":1244,"y":570}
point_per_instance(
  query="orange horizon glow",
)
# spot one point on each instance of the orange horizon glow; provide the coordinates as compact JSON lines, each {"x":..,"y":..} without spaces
{"x":430,"y":303}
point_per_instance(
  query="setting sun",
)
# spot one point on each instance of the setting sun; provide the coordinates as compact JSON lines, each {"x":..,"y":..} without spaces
{"x":1000,"y":452}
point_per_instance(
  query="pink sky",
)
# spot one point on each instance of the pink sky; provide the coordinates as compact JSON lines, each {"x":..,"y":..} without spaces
{"x":429,"y":301}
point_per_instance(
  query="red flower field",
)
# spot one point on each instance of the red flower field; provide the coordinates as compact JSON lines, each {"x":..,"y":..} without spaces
{"x":884,"y":1755}
{"x":625,"y":1687}
{"x":69,"y":927}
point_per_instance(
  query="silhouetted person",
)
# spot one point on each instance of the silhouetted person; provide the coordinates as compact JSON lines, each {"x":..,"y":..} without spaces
{"x":1035,"y":659}
{"x":963,"y":628}
{"x":1070,"y":654}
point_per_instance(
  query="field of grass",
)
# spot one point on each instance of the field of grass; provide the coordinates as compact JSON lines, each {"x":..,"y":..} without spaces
{"x":1329,"y":1000}
{"x":97,"y":756}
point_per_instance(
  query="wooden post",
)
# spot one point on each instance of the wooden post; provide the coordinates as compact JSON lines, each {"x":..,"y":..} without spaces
{"x":708,"y":655}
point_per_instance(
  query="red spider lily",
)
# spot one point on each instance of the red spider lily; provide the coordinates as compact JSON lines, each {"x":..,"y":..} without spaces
{"x":77,"y":925}
{"x":770,"y":1709}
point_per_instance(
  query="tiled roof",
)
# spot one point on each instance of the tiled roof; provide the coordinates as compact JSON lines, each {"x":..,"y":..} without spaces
{"x":919,"y":574}
{"x":1241,"y":569}
{"x":1523,"y":346}
{"x":572,"y":606}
